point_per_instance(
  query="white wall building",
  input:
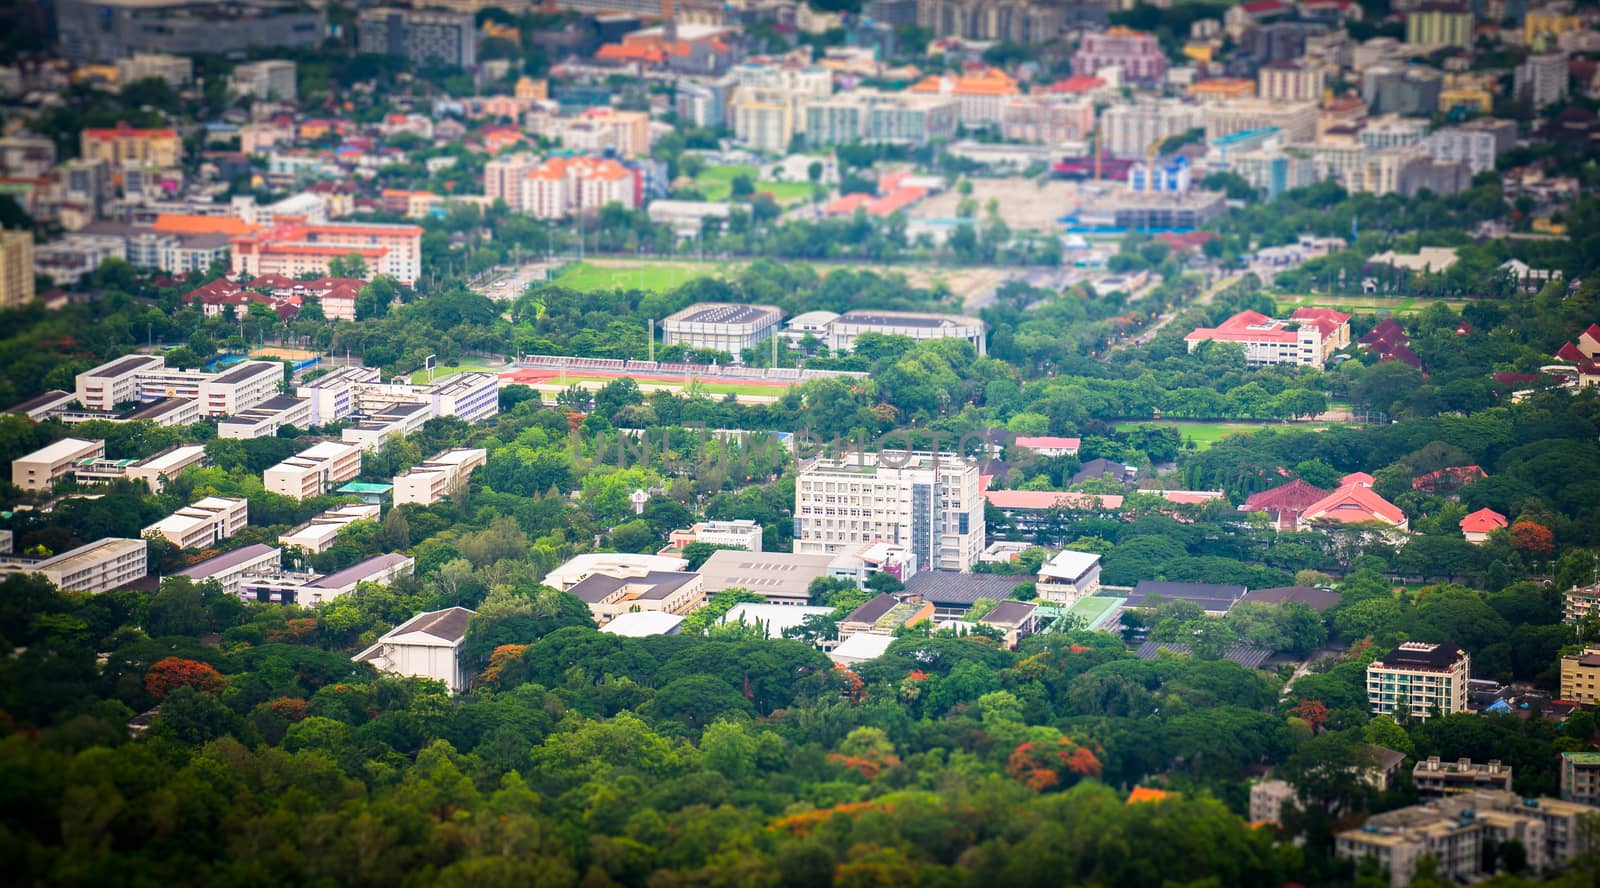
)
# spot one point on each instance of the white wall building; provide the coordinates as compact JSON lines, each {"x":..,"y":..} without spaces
{"x":721,"y":326}
{"x":927,"y":502}
{"x":742,"y":533}
{"x":319,"y":534}
{"x":230,"y":568}
{"x":315,"y":470}
{"x":265,"y":419}
{"x":100,"y":566}
{"x":425,"y":646}
{"x":434,"y":479}
{"x":202,"y":523}
{"x":1419,"y":679}
{"x":41,"y":469}
{"x":1068,"y":576}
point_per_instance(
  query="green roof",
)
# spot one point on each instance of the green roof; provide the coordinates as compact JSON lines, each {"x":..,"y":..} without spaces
{"x":1582,"y":758}
{"x":359,"y":487}
{"x":1094,"y":608}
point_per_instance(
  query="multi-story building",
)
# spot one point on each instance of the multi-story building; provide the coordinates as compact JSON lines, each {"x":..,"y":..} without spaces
{"x":1419,"y":679}
{"x":1440,"y":24}
{"x":229,"y":569}
{"x":1476,"y":143}
{"x":297,"y":250}
{"x":1393,"y":131}
{"x":121,"y":143}
{"x":1580,"y":777}
{"x":27,"y":157}
{"x":434,"y":479}
{"x":1047,"y":119}
{"x":266,"y":418}
{"x":562,"y":186}
{"x":1130,"y":130}
{"x":870,"y":115}
{"x":721,"y":326}
{"x":320,"y":533}
{"x":1440,"y":778}
{"x":310,"y":590}
{"x":100,"y":566}
{"x":270,"y":80}
{"x":741,"y":533}
{"x":883,"y":614}
{"x":177,"y":71}
{"x":1017,"y":21}
{"x":16,"y":268}
{"x":1580,"y":676}
{"x":202,"y":523}
{"x":762,"y":120}
{"x":1296,"y":122}
{"x":1291,"y":81}
{"x":927,"y":502}
{"x":1137,"y":53}
{"x":333,"y":395}
{"x":106,"y":30}
{"x":1069,"y":576}
{"x":843,"y":330}
{"x":315,"y":470}
{"x":380,"y":426}
{"x":609,"y":595}
{"x":41,"y":469}
{"x":503,"y":178}
{"x":1542,"y":79}
{"x":981,"y":98}
{"x":768,"y":103}
{"x":1307,"y":338}
{"x":423,"y":36}
{"x":240,"y":387}
{"x":1272,"y":170}
{"x":426,"y":646}
{"x":1412,"y":90}
{"x":599,"y":130}
{"x":1579,"y":602}
{"x":1540,"y":28}
{"x":155,"y":471}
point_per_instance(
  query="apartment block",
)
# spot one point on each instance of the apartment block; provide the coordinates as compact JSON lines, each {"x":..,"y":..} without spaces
{"x":981,"y":98}
{"x":297,"y":250}
{"x":1440,"y":778}
{"x":319,"y":534}
{"x":1580,"y":777}
{"x":927,"y":502}
{"x":741,"y":533}
{"x":1440,"y":24}
{"x":177,"y":71}
{"x":423,"y":36}
{"x":598,"y":130}
{"x":1130,"y":130}
{"x":1047,"y":119}
{"x":202,"y":523}
{"x":230,"y":568}
{"x":240,"y":387}
{"x":1290,"y":81}
{"x":266,"y":418}
{"x":1542,"y":79}
{"x":315,"y":470}
{"x":1296,"y":122}
{"x":155,"y":471}
{"x":121,"y":143}
{"x":1478,"y":143}
{"x":333,"y":394}
{"x":16,"y":268}
{"x":1136,"y":53}
{"x":435,"y":478}
{"x":310,"y":590}
{"x":560,"y":186}
{"x":1580,"y":677}
{"x":271,"y":80}
{"x":1419,"y":678}
{"x":870,"y":115}
{"x":41,"y":469}
{"x":100,"y":566}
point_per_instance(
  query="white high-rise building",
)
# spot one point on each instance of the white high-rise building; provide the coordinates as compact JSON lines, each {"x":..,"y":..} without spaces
{"x":1542,"y":79}
{"x":1130,"y":130}
{"x":1419,"y":679}
{"x":929,"y":503}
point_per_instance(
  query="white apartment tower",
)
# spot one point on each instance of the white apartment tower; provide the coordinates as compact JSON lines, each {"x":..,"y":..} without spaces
{"x":928,"y":503}
{"x":1419,"y":679}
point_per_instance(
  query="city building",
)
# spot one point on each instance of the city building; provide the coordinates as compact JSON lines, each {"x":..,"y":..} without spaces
{"x":16,"y":268}
{"x":297,"y":250}
{"x":1047,"y":445}
{"x":1580,"y":777}
{"x":1579,"y":602}
{"x":1477,"y":526}
{"x":100,"y":566}
{"x":580,"y":567}
{"x":608,"y":595}
{"x":122,"y":143}
{"x":741,"y":533}
{"x":561,"y":186}
{"x":1068,"y":576}
{"x":320,"y":533}
{"x":1580,"y":676}
{"x":107,"y":30}
{"x":1291,"y":81}
{"x":1017,"y":21}
{"x":870,"y":115}
{"x":1048,"y":119}
{"x":772,"y":619}
{"x":435,"y":478}
{"x":1129,"y":130}
{"x":625,"y":134}
{"x":333,"y":395}
{"x":1477,"y":143}
{"x":1137,"y":53}
{"x":271,"y":80}
{"x":884,"y":614}
{"x":1296,"y":122}
{"x":426,"y":646}
{"x":41,"y":469}
{"x":155,"y":471}
{"x":1436,"y":778}
{"x":265,"y":419}
{"x":1410,"y":90}
{"x":927,"y":502}
{"x":981,"y":98}
{"x":1440,"y":24}
{"x":203,"y":523}
{"x":240,"y":387}
{"x":315,"y":470}
{"x":721,"y":326}
{"x":1309,"y":337}
{"x":1542,"y":27}
{"x":843,"y":330}
{"x":1419,"y":679}
{"x":423,"y":36}
{"x":229,"y":569}
{"x":784,"y":578}
{"x":176,"y":71}
{"x":310,"y":590}
{"x":1542,"y":79}
{"x":377,"y":427}
{"x":1221,"y":89}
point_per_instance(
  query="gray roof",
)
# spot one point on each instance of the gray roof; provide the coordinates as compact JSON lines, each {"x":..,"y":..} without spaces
{"x":1246,"y":655}
{"x":597,"y":587}
{"x":120,"y":367}
{"x":38,"y":401}
{"x":781,"y":574}
{"x":159,"y":408}
{"x":943,"y":587}
{"x":724,"y":313}
{"x":1010,"y":613}
{"x":355,"y":573}
{"x":1211,"y":596}
{"x":449,"y":624}
{"x":226,"y":561}
{"x":873,"y":610}
{"x":1317,"y":599}
{"x":246,"y":370}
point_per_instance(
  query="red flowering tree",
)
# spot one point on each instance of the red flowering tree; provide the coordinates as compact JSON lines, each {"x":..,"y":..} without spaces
{"x":503,"y":656}
{"x":1041,"y":765}
{"x":1533,"y":538}
{"x":1313,"y":711}
{"x":175,"y":672}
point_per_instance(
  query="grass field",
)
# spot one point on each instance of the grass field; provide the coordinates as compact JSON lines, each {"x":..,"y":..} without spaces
{"x":1205,"y":434}
{"x":1404,"y":305}
{"x":716,"y":183}
{"x":707,"y":387}
{"x":656,"y":277}
{"x":444,"y":370}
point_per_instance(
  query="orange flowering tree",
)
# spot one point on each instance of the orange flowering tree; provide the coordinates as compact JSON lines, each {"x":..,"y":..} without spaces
{"x":503,"y":656}
{"x":1533,"y":538}
{"x":1042,"y":765}
{"x":174,"y":672}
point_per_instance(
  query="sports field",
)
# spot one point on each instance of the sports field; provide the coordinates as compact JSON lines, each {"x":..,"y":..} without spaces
{"x":550,"y":382}
{"x":444,"y":370}
{"x":1397,"y":305}
{"x":1205,"y":434}
{"x":655,"y":277}
{"x":716,"y":183}
{"x":283,"y":353}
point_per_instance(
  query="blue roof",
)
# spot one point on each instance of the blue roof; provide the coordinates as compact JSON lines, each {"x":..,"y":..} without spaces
{"x":1244,"y":136}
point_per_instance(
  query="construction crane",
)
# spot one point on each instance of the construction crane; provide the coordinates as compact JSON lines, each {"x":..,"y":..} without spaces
{"x":1150,"y":165}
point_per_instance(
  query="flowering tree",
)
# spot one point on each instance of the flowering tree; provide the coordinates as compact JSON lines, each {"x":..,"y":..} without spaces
{"x":1042,"y":766}
{"x":175,"y":672}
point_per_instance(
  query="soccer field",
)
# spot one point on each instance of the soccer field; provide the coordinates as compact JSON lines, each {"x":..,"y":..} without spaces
{"x":652,"y":383}
{"x":1205,"y":434}
{"x":443,"y":370}
{"x":716,"y":183}
{"x":655,"y":277}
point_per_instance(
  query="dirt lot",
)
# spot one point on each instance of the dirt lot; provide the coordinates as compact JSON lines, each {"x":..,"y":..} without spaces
{"x":1024,"y":205}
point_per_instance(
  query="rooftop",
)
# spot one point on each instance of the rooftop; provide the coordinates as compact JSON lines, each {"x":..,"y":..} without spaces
{"x":943,"y":587}
{"x":1422,"y":655}
{"x":227,"y":561}
{"x":724,"y":313}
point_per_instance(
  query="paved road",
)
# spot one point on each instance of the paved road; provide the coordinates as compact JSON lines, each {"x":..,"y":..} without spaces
{"x":1168,"y":317}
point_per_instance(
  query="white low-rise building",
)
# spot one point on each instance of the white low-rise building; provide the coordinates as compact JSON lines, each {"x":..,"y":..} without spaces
{"x":100,"y":566}
{"x":310,"y":590}
{"x":154,"y":471}
{"x":41,"y":469}
{"x":425,"y":646}
{"x":265,"y":419}
{"x":315,"y":470}
{"x":433,"y":480}
{"x":318,"y":534}
{"x":1068,"y":576}
{"x":616,"y":564}
{"x":203,"y":523}
{"x":230,"y":568}
{"x":742,"y":533}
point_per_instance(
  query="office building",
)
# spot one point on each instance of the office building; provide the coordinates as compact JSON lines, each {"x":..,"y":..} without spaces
{"x":1580,"y":676}
{"x":1296,"y":122}
{"x":230,"y":568}
{"x":741,"y":533}
{"x":333,"y":395}
{"x":203,"y":523}
{"x":1291,"y":81}
{"x":1419,"y":679}
{"x":1136,"y":53}
{"x":927,"y":502}
{"x":1542,"y":79}
{"x":100,"y":566}
{"x":1580,"y":777}
{"x":719,"y":326}
{"x":122,"y":143}
{"x":425,"y":646}
{"x":870,"y":115}
{"x":41,"y":469}
{"x":434,"y":479}
{"x":272,"y":80}
{"x":843,"y":330}
{"x":1068,"y":576}
{"x":425,"y":37}
{"x":1017,"y":21}
{"x":1440,"y":24}
{"x":155,"y":471}
{"x":320,"y":533}
{"x":297,"y":250}
{"x":1307,"y":338}
{"x":1130,"y":130}
{"x":265,"y":419}
{"x":107,"y":30}
{"x":315,"y":470}
{"x":1436,"y":778}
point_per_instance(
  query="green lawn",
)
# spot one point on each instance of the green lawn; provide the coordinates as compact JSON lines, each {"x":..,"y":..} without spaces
{"x":443,"y":370}
{"x":1205,"y":434}
{"x":657,"y":277}
{"x":716,"y":183}
{"x":1398,"y":305}
{"x":709,"y":388}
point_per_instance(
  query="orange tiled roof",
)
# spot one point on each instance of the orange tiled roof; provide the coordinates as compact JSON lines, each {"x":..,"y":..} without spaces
{"x":1146,"y":794}
{"x":184,"y":223}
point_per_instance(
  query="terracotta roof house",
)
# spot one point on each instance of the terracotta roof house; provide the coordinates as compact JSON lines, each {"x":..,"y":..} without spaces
{"x":1285,"y":502}
{"x":1477,"y":526}
{"x":1354,"y":502}
{"x":1448,"y":480}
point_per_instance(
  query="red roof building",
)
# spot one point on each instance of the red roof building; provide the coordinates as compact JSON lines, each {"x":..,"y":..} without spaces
{"x":1477,"y":526}
{"x":1307,"y":338}
{"x":1355,"y":502}
{"x":1285,"y":503}
{"x":1449,"y":480}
